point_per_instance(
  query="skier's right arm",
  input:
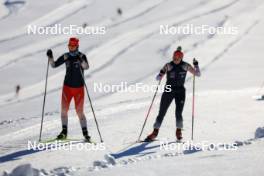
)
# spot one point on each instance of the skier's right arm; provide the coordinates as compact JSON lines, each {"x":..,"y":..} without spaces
{"x":162,"y":73}
{"x":56,"y":63}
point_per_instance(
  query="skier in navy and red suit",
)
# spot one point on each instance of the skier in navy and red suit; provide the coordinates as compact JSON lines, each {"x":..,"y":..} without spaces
{"x":176,"y":72}
{"x":76,"y":62}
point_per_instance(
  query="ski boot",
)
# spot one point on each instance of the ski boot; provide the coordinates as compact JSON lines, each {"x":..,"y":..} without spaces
{"x":63,"y":133}
{"x":87,"y":138}
{"x":152,"y":136}
{"x":178,"y":134}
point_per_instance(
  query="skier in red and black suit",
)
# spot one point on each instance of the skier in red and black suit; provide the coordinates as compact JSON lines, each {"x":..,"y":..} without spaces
{"x":76,"y":62}
{"x":176,"y":71}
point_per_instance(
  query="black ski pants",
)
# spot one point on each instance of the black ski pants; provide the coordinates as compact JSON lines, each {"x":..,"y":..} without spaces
{"x":179,"y":97}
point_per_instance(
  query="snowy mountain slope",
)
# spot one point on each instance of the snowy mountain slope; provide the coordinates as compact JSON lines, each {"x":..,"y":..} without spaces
{"x":134,"y":51}
{"x":55,"y":41}
{"x":120,"y":46}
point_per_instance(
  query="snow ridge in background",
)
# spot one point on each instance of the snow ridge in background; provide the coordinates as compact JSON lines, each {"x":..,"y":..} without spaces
{"x":3,"y":9}
{"x":51,"y":18}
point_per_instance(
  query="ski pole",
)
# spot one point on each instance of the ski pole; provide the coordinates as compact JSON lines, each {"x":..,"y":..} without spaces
{"x":44,"y":101}
{"x":193,"y":103}
{"x":150,"y":107}
{"x":97,"y":126}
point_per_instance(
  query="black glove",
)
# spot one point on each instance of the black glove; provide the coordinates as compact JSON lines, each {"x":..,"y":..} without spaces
{"x":80,"y":60}
{"x":49,"y":53}
{"x":195,"y":62}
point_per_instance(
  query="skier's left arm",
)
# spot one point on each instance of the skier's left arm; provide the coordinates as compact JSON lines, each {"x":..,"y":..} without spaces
{"x":162,"y":72}
{"x":84,"y":62}
{"x":56,"y":63}
{"x":196,"y":69}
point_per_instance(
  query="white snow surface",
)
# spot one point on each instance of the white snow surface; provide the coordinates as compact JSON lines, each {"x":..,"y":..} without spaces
{"x":133,"y":50}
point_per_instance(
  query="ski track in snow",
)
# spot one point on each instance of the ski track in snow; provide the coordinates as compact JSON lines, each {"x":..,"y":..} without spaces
{"x":110,"y":160}
{"x":25,"y":134}
{"x":58,"y":41}
{"x":32,"y":49}
{"x":4,"y":12}
{"x":115,"y":55}
{"x":13,"y":7}
{"x":146,"y":8}
{"x":166,"y":50}
{"x":38,"y":47}
{"x":138,"y":153}
{"x":56,"y":15}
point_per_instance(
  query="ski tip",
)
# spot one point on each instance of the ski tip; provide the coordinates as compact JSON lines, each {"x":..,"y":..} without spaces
{"x":90,"y":142}
{"x":148,"y":140}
